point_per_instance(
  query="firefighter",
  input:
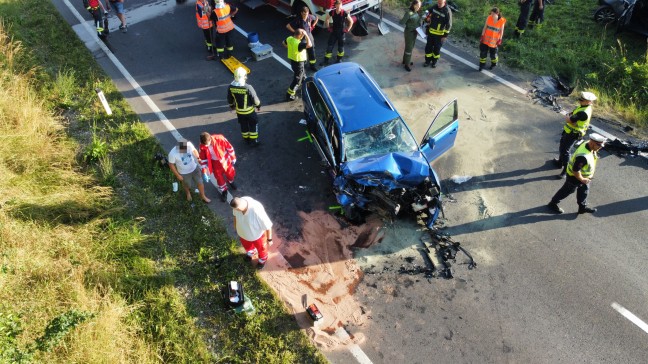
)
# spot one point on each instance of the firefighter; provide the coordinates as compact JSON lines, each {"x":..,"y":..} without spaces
{"x":491,"y":37}
{"x":217,"y":158}
{"x":537,"y":14}
{"x":523,"y":19}
{"x":576,"y":125}
{"x":307,"y":22}
{"x":99,"y":15}
{"x":222,"y":16}
{"x":297,"y":54}
{"x":342,"y":22}
{"x":411,"y":19}
{"x":203,"y":11}
{"x":439,"y":23}
{"x":242,"y":98}
{"x":580,"y":171}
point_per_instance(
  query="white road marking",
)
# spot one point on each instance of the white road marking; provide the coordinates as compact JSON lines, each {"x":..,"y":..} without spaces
{"x":355,"y":350}
{"x":630,"y":316}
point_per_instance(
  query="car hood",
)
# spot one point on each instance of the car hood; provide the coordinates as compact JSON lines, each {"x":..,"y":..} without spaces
{"x":392,"y":170}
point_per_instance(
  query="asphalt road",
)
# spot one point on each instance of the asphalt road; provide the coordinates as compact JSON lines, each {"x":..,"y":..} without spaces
{"x":548,"y":288}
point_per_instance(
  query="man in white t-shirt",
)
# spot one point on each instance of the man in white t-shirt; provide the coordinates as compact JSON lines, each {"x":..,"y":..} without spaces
{"x":182,"y":161}
{"x":253,"y":227}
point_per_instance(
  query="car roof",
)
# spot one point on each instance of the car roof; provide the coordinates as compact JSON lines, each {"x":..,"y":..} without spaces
{"x":356,"y":96}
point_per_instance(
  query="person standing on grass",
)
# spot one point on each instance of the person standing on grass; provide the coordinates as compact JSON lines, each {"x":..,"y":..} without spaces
{"x":576,"y":125}
{"x":439,"y":23}
{"x":523,"y":19}
{"x":537,"y":14}
{"x":491,"y":37}
{"x":254,"y":228}
{"x":182,"y":162}
{"x":342,"y":22}
{"x":119,"y":10}
{"x":218,"y":158}
{"x":411,"y":19}
{"x":297,"y":56}
{"x":306,"y":22}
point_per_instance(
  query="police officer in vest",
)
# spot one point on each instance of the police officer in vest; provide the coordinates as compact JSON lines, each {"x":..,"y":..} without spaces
{"x":580,"y":171}
{"x":439,"y":22}
{"x":297,"y":45}
{"x":575,"y":128}
{"x":242,"y":98}
{"x":222,"y":17}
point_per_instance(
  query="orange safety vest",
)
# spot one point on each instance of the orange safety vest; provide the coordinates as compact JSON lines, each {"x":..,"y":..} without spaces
{"x":224,"y":23}
{"x":493,"y":31}
{"x":202,"y":18}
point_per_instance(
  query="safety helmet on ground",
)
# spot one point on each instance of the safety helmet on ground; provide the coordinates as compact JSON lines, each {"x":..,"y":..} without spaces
{"x":240,"y":75}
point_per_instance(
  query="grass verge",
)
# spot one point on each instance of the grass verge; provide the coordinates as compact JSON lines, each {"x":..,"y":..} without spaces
{"x":99,"y":262}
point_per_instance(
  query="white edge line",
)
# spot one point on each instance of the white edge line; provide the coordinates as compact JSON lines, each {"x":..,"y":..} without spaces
{"x":630,"y":316}
{"x":355,"y":350}
{"x":274,"y":55}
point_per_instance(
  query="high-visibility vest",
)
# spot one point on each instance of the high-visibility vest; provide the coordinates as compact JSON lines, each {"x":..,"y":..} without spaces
{"x":294,"y":53}
{"x":493,"y":31}
{"x":202,"y":18}
{"x":581,"y":125}
{"x":588,"y":170}
{"x":440,"y":20}
{"x":224,"y":23}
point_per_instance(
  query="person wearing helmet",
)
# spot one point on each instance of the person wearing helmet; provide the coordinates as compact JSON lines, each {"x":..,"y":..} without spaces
{"x":203,"y":12}
{"x":222,"y":17}
{"x":580,"y":171}
{"x":242,"y":98}
{"x":576,"y":125}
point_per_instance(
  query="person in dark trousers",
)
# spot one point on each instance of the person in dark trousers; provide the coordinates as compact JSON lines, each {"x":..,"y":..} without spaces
{"x":222,"y":16}
{"x":297,"y":55}
{"x":491,"y":38}
{"x":576,"y":125}
{"x":98,"y":11}
{"x":203,"y":12}
{"x":439,"y":23}
{"x":523,"y":18}
{"x":307,"y":22}
{"x":411,"y":20}
{"x":537,"y":14}
{"x":242,"y":98}
{"x":342,"y":22}
{"x":580,"y":171}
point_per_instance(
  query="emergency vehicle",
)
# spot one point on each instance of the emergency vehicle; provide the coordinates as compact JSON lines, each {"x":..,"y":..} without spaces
{"x":317,"y":7}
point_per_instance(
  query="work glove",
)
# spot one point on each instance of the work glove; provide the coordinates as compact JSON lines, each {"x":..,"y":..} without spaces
{"x":499,"y":42}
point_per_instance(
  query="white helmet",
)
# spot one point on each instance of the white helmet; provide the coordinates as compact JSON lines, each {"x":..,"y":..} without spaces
{"x":219,"y":4}
{"x":240,"y":74}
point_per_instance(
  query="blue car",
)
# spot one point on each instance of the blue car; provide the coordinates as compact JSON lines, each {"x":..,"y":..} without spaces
{"x":375,"y":162}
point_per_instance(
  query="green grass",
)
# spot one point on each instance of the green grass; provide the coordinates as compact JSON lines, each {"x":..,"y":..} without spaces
{"x":99,"y":261}
{"x":571,"y":46}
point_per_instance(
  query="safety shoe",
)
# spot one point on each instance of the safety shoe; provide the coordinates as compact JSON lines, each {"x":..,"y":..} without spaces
{"x":408,"y":69}
{"x":261,"y":265}
{"x":233,"y":186}
{"x":555,"y":208}
{"x":256,"y":142}
{"x":223,"y":196}
{"x":493,"y":65}
{"x":248,"y":257}
{"x":561,"y":175}
{"x":426,"y":64}
{"x":290,"y":97}
{"x":481,"y":67}
{"x":433,"y":64}
{"x":313,"y":67}
{"x":326,"y":61}
{"x":586,"y":210}
{"x":557,"y":163}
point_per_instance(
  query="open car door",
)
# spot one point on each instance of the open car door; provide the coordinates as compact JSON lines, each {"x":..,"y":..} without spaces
{"x":442,"y":133}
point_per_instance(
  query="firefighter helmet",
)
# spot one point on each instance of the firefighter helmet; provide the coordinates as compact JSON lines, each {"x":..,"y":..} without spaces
{"x":240,"y":75}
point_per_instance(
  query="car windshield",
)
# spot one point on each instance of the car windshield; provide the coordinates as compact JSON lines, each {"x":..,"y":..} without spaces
{"x":391,"y":136}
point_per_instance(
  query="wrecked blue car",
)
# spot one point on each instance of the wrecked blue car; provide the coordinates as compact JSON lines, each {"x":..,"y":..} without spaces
{"x":375,"y":162}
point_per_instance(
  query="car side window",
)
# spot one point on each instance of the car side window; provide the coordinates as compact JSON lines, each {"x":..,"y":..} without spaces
{"x":319,"y":106}
{"x":334,"y":132}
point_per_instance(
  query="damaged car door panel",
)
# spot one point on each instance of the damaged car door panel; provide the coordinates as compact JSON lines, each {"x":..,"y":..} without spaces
{"x":369,"y":151}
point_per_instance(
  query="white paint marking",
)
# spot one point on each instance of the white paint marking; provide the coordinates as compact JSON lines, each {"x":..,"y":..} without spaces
{"x":355,"y":350}
{"x":630,"y":316}
{"x":274,"y":54}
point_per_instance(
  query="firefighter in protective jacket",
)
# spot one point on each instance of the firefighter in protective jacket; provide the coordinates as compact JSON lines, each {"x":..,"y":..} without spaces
{"x":222,"y":16}
{"x":203,"y":12}
{"x":242,"y":98}
{"x":217,"y":159}
{"x":439,"y":23}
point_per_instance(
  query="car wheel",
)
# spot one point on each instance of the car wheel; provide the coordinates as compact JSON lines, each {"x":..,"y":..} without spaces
{"x":354,"y":215}
{"x":605,"y":15}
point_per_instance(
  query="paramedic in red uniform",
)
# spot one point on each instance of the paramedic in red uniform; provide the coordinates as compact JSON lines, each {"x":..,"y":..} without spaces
{"x":218,"y":158}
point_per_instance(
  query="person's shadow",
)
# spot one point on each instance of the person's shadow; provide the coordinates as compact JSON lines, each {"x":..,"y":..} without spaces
{"x":505,"y":179}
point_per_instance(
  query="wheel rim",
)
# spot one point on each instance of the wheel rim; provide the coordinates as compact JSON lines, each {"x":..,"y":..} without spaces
{"x":605,"y":15}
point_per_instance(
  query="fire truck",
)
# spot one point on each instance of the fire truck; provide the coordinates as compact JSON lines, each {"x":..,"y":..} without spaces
{"x":317,"y":7}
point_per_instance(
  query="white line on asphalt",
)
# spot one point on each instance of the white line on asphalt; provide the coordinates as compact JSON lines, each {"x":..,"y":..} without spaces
{"x":355,"y":350}
{"x":630,"y":316}
{"x":274,"y":55}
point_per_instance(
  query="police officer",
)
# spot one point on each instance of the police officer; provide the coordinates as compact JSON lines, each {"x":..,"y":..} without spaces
{"x":242,"y":98}
{"x":580,"y":171}
{"x":575,"y":128}
{"x":307,"y":22}
{"x":342,"y":22}
{"x":439,"y":22}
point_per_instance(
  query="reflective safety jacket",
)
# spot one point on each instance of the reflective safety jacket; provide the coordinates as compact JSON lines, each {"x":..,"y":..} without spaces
{"x":581,"y":125}
{"x":494,"y":31}
{"x":220,"y":154}
{"x":224,"y":23}
{"x":243,"y":98}
{"x":294,"y":54}
{"x":440,"y":20}
{"x":202,"y":15}
{"x":587,"y":170}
